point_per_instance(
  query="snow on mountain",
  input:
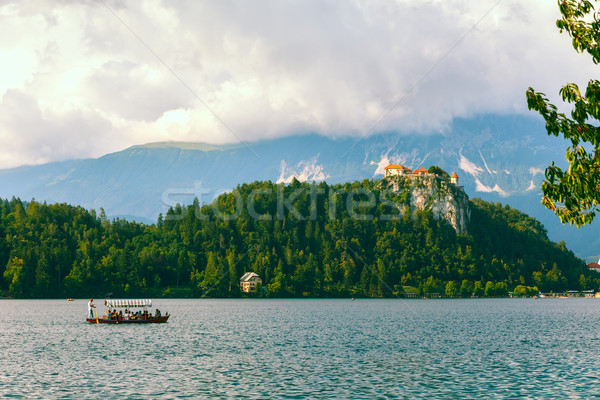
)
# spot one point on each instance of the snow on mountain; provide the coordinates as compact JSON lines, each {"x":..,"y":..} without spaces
{"x":480,"y":187}
{"x":469,"y":167}
{"x":531,"y":186}
{"x":306,"y":170}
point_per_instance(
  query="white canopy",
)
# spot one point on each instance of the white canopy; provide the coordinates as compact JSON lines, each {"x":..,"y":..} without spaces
{"x":128,"y":303}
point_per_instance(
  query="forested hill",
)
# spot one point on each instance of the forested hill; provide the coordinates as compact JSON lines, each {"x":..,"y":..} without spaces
{"x":303,"y":239}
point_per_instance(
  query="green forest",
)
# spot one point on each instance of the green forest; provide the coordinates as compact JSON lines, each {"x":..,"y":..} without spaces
{"x":304,"y":240}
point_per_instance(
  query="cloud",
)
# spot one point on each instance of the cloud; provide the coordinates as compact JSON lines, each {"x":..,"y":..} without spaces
{"x":40,"y":136}
{"x":133,"y":72}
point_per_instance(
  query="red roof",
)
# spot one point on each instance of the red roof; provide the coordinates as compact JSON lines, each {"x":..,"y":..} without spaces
{"x":594,"y":265}
{"x":396,"y":166}
{"x":420,"y":171}
{"x":454,"y":175}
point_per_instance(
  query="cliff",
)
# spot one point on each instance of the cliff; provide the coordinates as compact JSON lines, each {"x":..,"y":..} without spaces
{"x":444,"y":199}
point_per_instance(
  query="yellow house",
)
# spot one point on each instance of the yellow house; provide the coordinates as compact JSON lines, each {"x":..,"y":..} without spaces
{"x":249,"y":281}
{"x":394,"y":169}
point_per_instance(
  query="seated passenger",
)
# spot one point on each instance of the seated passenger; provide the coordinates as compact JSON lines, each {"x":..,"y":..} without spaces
{"x":157,"y":313}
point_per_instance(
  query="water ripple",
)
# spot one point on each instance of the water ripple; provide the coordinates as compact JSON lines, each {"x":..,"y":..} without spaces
{"x":296,"y":349}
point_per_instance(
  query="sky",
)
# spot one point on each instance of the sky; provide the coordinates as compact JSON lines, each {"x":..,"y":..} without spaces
{"x":81,"y":79}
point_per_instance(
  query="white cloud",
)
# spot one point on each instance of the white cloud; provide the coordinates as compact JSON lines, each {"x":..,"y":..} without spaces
{"x":224,"y":71}
{"x":43,"y":135}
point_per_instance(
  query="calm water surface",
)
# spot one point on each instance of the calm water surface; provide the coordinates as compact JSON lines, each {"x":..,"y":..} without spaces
{"x":496,"y":348}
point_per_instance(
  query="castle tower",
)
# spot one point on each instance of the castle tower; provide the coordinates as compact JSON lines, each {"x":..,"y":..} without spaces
{"x":454,"y":179}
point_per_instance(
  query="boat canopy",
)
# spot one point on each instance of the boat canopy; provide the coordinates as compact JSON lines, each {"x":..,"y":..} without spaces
{"x":128,"y":303}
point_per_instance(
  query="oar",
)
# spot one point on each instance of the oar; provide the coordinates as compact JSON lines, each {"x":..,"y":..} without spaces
{"x":96,"y":313}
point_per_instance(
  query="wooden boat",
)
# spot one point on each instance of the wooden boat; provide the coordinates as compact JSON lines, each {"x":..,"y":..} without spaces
{"x":163,"y":318}
{"x":129,"y":303}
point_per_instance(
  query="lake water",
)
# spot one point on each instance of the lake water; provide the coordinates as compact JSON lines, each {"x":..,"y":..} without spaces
{"x":294,"y":349}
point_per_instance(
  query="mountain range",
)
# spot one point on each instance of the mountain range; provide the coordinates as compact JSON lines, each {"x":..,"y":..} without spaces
{"x":497,"y":158}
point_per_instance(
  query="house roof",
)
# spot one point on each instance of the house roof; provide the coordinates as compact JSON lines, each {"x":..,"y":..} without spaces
{"x":594,"y":265}
{"x":454,"y":175}
{"x":247,"y":276}
{"x":397,"y":166}
{"x":420,"y":171}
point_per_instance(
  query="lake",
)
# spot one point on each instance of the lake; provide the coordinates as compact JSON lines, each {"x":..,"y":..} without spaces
{"x":295,"y":349}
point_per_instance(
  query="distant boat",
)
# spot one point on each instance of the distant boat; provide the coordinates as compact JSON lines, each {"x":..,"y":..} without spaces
{"x":69,"y":299}
{"x":144,"y":317}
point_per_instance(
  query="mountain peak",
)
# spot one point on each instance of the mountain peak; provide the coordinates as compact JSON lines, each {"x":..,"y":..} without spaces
{"x":200,"y":146}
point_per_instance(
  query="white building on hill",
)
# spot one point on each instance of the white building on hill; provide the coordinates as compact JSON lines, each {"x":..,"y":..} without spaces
{"x":393,"y":169}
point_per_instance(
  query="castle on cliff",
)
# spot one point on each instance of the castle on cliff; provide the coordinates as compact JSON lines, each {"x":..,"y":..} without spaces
{"x":435,"y":191}
{"x":400,"y":170}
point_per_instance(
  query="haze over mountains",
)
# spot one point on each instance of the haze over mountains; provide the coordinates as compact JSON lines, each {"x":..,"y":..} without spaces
{"x":497,"y":158}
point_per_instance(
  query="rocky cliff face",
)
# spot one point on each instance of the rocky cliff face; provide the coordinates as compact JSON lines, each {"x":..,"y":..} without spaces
{"x":445,"y":200}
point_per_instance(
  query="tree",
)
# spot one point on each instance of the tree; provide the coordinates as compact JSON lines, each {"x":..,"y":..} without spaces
{"x":478,"y":289}
{"x":466,"y":288}
{"x":16,"y":275}
{"x":501,"y":289}
{"x":434,"y":169}
{"x":58,"y":250}
{"x":450,"y":289}
{"x":582,"y":282}
{"x":520,"y":291}
{"x":574,"y":194}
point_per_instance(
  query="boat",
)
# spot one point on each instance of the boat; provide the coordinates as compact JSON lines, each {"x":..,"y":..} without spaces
{"x":143,"y":318}
{"x":70,"y":299}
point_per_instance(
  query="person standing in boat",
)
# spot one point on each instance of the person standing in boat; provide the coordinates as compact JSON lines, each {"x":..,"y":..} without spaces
{"x":91,"y":307}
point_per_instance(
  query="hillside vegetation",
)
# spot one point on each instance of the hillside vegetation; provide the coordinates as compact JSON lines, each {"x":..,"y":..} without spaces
{"x":302,"y":239}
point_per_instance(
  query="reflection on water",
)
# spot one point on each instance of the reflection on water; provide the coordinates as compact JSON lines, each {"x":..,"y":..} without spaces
{"x":502,"y":348}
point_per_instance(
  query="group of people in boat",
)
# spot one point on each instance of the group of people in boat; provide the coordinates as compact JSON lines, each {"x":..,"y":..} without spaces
{"x":127,"y":315}
{"x":113,"y":314}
